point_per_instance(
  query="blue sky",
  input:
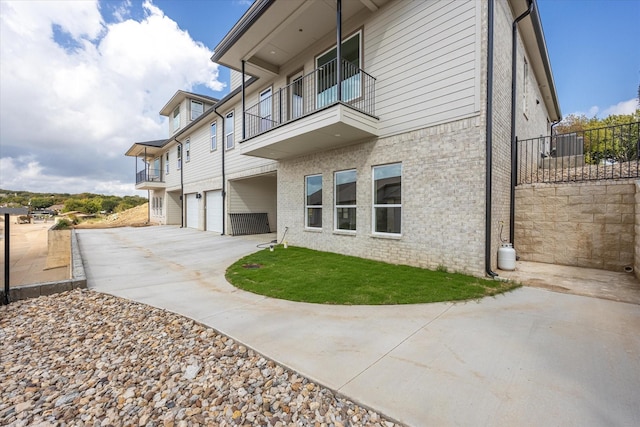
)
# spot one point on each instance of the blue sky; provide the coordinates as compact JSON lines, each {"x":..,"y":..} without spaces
{"x":81,"y":81}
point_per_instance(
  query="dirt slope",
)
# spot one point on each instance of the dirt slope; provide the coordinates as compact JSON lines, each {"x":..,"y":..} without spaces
{"x":134,"y":217}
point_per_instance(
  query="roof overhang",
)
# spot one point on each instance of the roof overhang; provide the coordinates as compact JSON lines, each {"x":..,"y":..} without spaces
{"x":530,"y":30}
{"x":148,"y":148}
{"x":271,"y":32}
{"x":179,"y":96}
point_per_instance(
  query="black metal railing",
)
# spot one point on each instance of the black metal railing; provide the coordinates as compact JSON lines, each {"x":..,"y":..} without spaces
{"x":310,"y":93}
{"x":149,"y":175}
{"x":593,"y":154}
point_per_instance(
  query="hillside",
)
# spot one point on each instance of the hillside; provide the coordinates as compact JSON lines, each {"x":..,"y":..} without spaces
{"x":134,"y":217}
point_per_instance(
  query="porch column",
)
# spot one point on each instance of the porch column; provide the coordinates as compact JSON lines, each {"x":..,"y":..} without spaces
{"x":243,"y":110}
{"x":339,"y":48}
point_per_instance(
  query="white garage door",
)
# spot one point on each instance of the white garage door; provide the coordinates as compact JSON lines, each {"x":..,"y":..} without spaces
{"x":192,"y":211}
{"x":214,"y":210}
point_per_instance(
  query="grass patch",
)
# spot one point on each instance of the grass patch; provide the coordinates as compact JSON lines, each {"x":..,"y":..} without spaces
{"x":299,"y":274}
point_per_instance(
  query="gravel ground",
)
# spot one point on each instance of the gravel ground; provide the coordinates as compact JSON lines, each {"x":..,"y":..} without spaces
{"x":83,"y":358}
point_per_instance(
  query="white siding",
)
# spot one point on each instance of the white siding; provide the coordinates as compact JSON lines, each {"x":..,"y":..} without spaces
{"x":236,"y":79}
{"x":425,"y":56}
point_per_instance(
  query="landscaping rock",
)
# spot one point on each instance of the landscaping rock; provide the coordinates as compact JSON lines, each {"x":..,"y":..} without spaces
{"x":81,"y":358}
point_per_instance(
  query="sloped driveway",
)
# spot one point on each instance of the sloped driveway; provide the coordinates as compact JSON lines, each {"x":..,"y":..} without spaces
{"x":528,"y":358}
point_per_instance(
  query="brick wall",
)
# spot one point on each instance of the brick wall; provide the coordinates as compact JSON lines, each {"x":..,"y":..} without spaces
{"x":589,"y":224}
{"x":442,"y":198}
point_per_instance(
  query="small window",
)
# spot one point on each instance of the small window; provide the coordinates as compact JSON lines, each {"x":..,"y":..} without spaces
{"x":176,"y":119}
{"x":214,"y":137}
{"x":525,"y":86}
{"x":387,"y":199}
{"x":179,"y":155}
{"x":345,"y":200}
{"x":166,"y":163}
{"x":160,"y":205}
{"x":197,"y":108}
{"x":187,"y":150}
{"x":313,"y":201}
{"x":229,"y":143}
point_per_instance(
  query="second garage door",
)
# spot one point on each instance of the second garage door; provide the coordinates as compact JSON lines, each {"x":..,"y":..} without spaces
{"x":214,"y":210}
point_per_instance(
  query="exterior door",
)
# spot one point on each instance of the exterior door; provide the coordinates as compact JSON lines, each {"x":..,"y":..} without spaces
{"x":213,"y":200}
{"x":192,"y":211}
{"x":296,"y":96}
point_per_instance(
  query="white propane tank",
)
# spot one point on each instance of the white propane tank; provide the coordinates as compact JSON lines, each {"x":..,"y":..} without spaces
{"x":507,"y":257}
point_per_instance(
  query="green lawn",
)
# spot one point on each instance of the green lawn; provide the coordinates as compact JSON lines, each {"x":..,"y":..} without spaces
{"x":300,"y":274}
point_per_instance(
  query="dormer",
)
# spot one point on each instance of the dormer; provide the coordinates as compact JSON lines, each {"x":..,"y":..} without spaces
{"x":184,"y":107}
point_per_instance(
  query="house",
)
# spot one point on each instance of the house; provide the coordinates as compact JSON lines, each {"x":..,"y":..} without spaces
{"x":399,"y":152}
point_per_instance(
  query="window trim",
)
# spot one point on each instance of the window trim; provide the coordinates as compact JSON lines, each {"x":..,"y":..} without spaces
{"x":229,"y":116}
{"x":213,"y":136}
{"x":176,"y":116}
{"x":167,"y":163}
{"x":187,"y":150}
{"x":179,"y":156}
{"x":375,"y":205}
{"x":306,"y":200}
{"x":195,"y":101}
{"x":266,"y":122}
{"x":335,"y":202}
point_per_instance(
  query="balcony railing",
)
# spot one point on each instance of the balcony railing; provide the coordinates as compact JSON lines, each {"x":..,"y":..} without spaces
{"x":148,"y":175}
{"x":310,"y":93}
{"x":594,"y":154}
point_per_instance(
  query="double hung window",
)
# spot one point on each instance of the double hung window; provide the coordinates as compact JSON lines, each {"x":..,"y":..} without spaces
{"x":179,"y":156}
{"x":187,"y":150}
{"x":176,"y":118}
{"x":214,"y":137}
{"x":228,"y":124}
{"x":197,"y":108}
{"x":387,"y":199}
{"x":313,"y":201}
{"x":345,"y":200}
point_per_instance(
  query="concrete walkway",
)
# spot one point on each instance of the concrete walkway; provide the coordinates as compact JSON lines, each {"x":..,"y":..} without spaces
{"x":531,"y":357}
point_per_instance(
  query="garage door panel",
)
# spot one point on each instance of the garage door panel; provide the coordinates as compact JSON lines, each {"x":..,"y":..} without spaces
{"x":214,"y":210}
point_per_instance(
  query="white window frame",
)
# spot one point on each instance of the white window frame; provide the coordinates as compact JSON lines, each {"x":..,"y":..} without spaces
{"x":213,"y":130}
{"x":375,"y":205}
{"x":179,"y":156}
{"x":307,"y":206}
{"x":265,"y":109}
{"x":166,"y":164}
{"x":335,"y":201}
{"x":176,"y":118}
{"x":325,"y":97}
{"x":201,"y":111}
{"x":187,"y":150}
{"x":229,"y":130}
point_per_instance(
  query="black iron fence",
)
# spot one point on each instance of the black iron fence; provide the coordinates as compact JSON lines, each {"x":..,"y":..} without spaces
{"x":149,"y":175}
{"x":310,"y":93}
{"x":593,"y":154}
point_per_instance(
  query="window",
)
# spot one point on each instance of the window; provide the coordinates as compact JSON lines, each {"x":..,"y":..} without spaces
{"x":214,"y":137}
{"x":387,"y":199}
{"x":327,"y":76}
{"x":166,"y":163}
{"x":228,"y":124}
{"x":155,"y":173}
{"x":160,"y":205}
{"x":345,"y":198}
{"x":197,"y":108}
{"x":187,"y":150}
{"x":179,"y":152}
{"x":176,"y":118}
{"x":313,"y":201}
{"x":266,"y":121}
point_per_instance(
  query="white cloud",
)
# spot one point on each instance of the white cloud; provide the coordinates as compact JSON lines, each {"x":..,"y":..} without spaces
{"x":74,"y":99}
{"x":624,"y":107}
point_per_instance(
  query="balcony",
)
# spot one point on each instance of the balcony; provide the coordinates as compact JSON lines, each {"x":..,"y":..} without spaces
{"x":313,"y":113}
{"x":149,"y":179}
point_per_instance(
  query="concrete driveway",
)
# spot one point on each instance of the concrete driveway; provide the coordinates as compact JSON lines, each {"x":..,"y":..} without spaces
{"x":531,"y":357}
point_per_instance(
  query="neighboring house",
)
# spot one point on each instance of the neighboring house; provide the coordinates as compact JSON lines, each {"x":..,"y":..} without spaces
{"x":400,"y":152}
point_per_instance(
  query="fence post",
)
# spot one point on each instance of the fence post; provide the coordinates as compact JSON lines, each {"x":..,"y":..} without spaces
{"x":7,"y":258}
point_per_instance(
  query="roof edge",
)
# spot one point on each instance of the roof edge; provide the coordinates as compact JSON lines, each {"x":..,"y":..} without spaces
{"x":240,"y":28}
{"x":544,"y":54}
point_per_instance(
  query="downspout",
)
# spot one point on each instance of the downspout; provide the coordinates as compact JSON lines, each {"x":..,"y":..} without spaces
{"x":223,"y":148}
{"x":339,"y":49}
{"x":514,"y":148}
{"x":181,"y":185}
{"x":488,"y":137}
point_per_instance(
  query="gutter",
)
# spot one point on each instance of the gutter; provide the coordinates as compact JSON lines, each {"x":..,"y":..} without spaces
{"x":514,"y":147}
{"x":489,"y":142}
{"x":175,"y":138}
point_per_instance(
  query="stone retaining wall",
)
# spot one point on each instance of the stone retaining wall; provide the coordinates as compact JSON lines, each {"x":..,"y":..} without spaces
{"x":588,"y":224}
